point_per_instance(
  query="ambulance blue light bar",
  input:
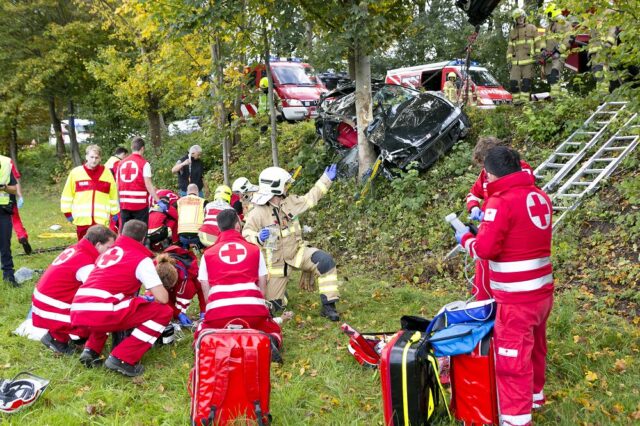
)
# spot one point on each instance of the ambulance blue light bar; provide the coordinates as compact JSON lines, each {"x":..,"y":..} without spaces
{"x":461,"y":62}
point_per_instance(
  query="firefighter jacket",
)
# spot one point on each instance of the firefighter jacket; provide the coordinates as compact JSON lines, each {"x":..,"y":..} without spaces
{"x":285,"y":218}
{"x":190,"y":214}
{"x":58,"y":285}
{"x":232,"y":270}
{"x":478,"y":191}
{"x":5,"y":179}
{"x":522,"y":45}
{"x":110,"y":291}
{"x":451,"y":91}
{"x":90,"y":200}
{"x":131,"y":187}
{"x":210,"y":224}
{"x":515,"y":237}
{"x":558,"y":38}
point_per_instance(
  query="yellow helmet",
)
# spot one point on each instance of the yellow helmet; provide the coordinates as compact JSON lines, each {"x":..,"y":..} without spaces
{"x":264,"y":83}
{"x":517,"y":13}
{"x":223,"y":192}
{"x":552,"y":12}
{"x":451,"y":74}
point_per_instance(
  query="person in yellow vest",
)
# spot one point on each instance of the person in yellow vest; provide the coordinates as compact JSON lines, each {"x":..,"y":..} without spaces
{"x":521,"y":53}
{"x":8,"y":191}
{"x":90,"y":195}
{"x":263,"y":100}
{"x":114,"y":161}
{"x":554,"y":50}
{"x":450,"y":88}
{"x":190,"y":217}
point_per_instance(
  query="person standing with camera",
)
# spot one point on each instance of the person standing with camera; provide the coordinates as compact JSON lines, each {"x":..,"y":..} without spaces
{"x":190,"y":170}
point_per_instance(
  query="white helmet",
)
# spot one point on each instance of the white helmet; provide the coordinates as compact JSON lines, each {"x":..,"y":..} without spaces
{"x":21,"y":391}
{"x":272,"y":181}
{"x":242,"y":185}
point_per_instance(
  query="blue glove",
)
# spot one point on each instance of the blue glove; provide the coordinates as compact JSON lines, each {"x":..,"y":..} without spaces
{"x":185,"y":321}
{"x":164,"y":206}
{"x":263,"y":235}
{"x":20,"y":202}
{"x":331,"y":172}
{"x":70,"y":219}
{"x":202,"y":315}
{"x":460,"y":234}
{"x":476,"y":214}
{"x":149,"y":298}
{"x":115,"y":218}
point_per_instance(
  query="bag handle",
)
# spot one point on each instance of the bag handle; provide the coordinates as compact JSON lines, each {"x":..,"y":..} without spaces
{"x":434,"y":365}
{"x":252,"y":380}
{"x":493,"y":305}
{"x":223,"y":353}
{"x":238,"y":321}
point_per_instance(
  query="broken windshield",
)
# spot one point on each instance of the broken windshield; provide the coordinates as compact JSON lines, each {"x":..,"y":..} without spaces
{"x":483,"y":78}
{"x":295,"y":75}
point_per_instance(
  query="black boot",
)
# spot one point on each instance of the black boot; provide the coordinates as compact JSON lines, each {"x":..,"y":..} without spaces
{"x":329,"y":309}
{"x":25,"y":245}
{"x":276,"y":356}
{"x":90,"y":358}
{"x":9,"y":278}
{"x":56,"y":346}
{"x":115,"y":364}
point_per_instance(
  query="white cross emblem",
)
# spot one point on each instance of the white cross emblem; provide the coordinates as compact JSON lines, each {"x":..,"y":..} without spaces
{"x":232,"y":253}
{"x":539,"y":211}
{"x":64,"y":256}
{"x":128,"y":171}
{"x":110,"y":257}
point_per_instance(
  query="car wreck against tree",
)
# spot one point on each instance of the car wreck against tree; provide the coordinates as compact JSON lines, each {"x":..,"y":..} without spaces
{"x":408,"y":126}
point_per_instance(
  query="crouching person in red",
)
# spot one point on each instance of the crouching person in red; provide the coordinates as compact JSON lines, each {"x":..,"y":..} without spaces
{"x":108,"y":301}
{"x":515,"y":237}
{"x":233,"y":274}
{"x":54,"y":293}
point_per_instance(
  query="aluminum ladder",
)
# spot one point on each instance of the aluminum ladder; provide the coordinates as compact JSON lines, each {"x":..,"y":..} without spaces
{"x":570,"y":152}
{"x":604,"y":161}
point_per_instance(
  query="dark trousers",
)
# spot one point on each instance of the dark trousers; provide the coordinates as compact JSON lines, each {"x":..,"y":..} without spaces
{"x":127,"y":215}
{"x":6,"y":228}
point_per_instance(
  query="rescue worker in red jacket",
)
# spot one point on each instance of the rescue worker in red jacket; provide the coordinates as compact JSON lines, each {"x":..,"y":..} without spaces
{"x":481,"y":289}
{"x":135,"y":185}
{"x":187,"y":286}
{"x":54,"y":292}
{"x":163,"y":221}
{"x":108,"y":302}
{"x":234,"y":275}
{"x":515,"y":237}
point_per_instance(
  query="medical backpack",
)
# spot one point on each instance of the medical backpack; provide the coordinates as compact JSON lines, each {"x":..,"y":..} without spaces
{"x":231,"y":377}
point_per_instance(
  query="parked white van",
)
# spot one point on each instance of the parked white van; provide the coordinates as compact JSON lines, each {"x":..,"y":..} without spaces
{"x":84,"y":131}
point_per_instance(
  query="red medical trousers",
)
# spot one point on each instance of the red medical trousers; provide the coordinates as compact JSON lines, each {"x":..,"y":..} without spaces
{"x":18,"y":227}
{"x":520,"y":334}
{"x":481,"y":283}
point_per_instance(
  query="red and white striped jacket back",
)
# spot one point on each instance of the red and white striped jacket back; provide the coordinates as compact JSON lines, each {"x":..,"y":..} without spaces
{"x":131,"y":188}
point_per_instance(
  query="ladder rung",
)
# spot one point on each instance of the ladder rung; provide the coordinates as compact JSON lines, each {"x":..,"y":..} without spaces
{"x":617,"y":138}
{"x":555,"y":165}
{"x":566,"y":154}
{"x":565,"y":195}
{"x":573,"y":143}
{"x":615,"y":148}
{"x":585,"y":133}
{"x":604,"y":123}
{"x":581,"y":183}
{"x":607,"y":159}
{"x":561,"y":208}
{"x":594,"y":171}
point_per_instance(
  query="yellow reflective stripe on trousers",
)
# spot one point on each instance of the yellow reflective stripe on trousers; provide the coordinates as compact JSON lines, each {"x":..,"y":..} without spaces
{"x":405,"y":385}
{"x":275,"y":272}
{"x":327,"y":289}
{"x":299,"y":257}
{"x":327,"y":278}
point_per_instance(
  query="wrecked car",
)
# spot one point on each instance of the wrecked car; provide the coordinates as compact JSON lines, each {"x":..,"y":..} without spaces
{"x":408,"y":126}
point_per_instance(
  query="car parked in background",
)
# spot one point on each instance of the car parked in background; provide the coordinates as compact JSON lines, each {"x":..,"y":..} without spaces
{"x":84,"y":131}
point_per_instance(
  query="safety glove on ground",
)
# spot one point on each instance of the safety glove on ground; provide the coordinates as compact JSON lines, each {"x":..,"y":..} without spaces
{"x":185,"y":321}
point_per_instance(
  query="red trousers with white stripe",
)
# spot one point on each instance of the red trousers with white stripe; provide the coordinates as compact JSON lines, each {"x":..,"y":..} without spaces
{"x":148,"y":319}
{"x":180,"y":297}
{"x":520,"y":334}
{"x":58,"y":323}
{"x":264,"y":324}
{"x":18,"y":227}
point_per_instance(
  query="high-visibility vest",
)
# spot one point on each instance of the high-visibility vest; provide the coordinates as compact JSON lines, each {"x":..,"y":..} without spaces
{"x":89,"y":201}
{"x":190,"y":214}
{"x":5,"y":178}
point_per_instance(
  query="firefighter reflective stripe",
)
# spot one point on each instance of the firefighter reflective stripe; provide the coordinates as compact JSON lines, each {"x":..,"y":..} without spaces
{"x":101,"y":307}
{"x":405,"y":384}
{"x":293,"y":228}
{"x":299,"y":257}
{"x":51,"y":315}
{"x":310,"y":202}
{"x":520,"y":265}
{"x":235,"y":301}
{"x":327,"y":278}
{"x":522,"y":61}
{"x":328,"y":283}
{"x":521,"y":42}
{"x":277,"y":271}
{"x":49,"y":300}
{"x":522,"y":419}
{"x":528,"y":285}
{"x":233,"y":287}
{"x":96,"y":292}
{"x":322,"y":187}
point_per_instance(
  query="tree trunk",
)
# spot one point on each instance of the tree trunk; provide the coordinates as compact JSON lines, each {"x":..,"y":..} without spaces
{"x":155,"y":123}
{"x":364,"y":113}
{"x":73,"y":137}
{"x":216,"y":88}
{"x":270,"y":96}
{"x":13,"y":142}
{"x":308,"y":33}
{"x":57,"y":128}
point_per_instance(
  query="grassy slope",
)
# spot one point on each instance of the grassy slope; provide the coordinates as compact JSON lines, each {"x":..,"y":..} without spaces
{"x":389,"y":270}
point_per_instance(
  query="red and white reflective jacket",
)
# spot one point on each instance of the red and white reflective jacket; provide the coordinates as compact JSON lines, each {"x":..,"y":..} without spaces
{"x":232,"y":268}
{"x":131,"y":188}
{"x":188,"y":285}
{"x":478,"y":191}
{"x":54,"y":293}
{"x":211,"y":211}
{"x":515,"y":236}
{"x":114,"y":283}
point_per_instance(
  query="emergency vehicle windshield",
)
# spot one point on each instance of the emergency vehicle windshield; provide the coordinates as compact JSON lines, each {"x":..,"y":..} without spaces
{"x":295,"y":75}
{"x":483,"y":78}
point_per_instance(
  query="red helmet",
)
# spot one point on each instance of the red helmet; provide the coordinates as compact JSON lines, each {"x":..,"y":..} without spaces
{"x":20,"y":392}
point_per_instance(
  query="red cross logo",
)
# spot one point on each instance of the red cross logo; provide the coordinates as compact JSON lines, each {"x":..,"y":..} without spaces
{"x":539,"y":210}
{"x":232,"y":253}
{"x":128,"y":171}
{"x":110,"y":257}
{"x":64,"y":256}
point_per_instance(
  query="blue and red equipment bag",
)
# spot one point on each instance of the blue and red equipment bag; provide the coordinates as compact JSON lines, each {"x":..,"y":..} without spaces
{"x":231,"y":377}
{"x":411,"y":390}
{"x":474,"y":398}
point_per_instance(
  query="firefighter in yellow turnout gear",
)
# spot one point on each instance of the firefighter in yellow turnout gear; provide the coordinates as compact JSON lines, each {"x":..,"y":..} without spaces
{"x":521,"y":54}
{"x":556,"y":45}
{"x":450,"y":88}
{"x":274,"y":224}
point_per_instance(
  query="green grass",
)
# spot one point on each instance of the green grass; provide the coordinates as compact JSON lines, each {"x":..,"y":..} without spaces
{"x":593,"y":371}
